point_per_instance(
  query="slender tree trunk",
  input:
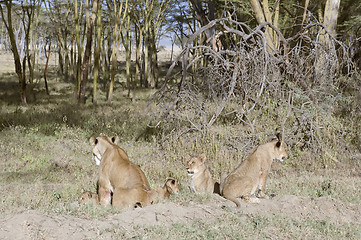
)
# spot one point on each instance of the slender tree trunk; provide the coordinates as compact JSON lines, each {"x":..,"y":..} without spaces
{"x":79,"y":50}
{"x":17,"y":61}
{"x":146,"y":54}
{"x":87,"y":54}
{"x":155,"y":62}
{"x":114,"y":62}
{"x":261,"y":18}
{"x":97,"y":54}
{"x":138,"y":41}
{"x":326,"y":46}
{"x":128,"y":53}
{"x":47,"y":55}
{"x":116,"y":34}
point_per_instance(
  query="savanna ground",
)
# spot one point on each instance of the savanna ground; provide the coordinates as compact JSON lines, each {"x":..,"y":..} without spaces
{"x":46,"y":163}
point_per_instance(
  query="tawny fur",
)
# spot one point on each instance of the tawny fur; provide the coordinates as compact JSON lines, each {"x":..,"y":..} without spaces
{"x":202,"y":180}
{"x":171,"y":186}
{"x":118,"y":175}
{"x":251,"y":175}
{"x":87,"y":197}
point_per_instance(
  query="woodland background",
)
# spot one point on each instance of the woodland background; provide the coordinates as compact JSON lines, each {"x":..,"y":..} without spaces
{"x":174,"y":78}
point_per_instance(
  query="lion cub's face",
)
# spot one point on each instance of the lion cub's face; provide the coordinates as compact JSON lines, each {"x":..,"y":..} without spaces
{"x":87,"y":197}
{"x":100,"y":145}
{"x":172,"y":186}
{"x":195,"y":164}
{"x":280,"y":151}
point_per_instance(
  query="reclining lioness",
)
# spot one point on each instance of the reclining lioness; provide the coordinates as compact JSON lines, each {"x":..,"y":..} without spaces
{"x":251,"y":175}
{"x":118,"y":175}
{"x":202,"y":180}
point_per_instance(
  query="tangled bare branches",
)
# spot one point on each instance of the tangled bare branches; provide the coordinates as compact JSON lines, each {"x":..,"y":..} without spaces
{"x":241,"y":79}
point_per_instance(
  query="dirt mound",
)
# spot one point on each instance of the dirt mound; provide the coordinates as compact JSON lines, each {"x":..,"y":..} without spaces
{"x":34,"y":225}
{"x":302,"y":208}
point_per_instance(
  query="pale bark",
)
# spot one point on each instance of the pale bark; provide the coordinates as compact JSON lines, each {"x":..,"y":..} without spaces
{"x":115,"y":48}
{"x":326,"y":46}
{"x":330,"y":20}
{"x":261,"y":18}
{"x":128,"y":53}
{"x":97,"y":54}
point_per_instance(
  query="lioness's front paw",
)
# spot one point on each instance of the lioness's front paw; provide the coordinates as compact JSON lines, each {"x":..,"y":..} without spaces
{"x":262,"y":195}
{"x":254,"y":200}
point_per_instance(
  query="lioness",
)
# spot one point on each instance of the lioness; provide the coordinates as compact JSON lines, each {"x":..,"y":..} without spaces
{"x":117,"y":172}
{"x":87,"y":197}
{"x":202,"y":180}
{"x":251,"y":175}
{"x":170,"y":186}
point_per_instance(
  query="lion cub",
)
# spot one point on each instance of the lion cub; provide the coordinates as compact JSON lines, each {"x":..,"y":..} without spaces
{"x":170,"y":186}
{"x":251,"y":175}
{"x":87,"y":197}
{"x":201,"y":177}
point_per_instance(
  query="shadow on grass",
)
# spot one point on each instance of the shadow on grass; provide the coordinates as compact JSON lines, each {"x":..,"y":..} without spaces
{"x":48,"y":113}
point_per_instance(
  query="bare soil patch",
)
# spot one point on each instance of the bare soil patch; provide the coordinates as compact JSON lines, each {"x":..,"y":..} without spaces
{"x":33,"y":224}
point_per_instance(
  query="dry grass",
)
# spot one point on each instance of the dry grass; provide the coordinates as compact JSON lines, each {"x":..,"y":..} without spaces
{"x":46,"y":163}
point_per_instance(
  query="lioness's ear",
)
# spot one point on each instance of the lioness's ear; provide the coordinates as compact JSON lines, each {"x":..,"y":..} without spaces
{"x":202,"y":157}
{"x":278,"y":135}
{"x":278,"y":144}
{"x":115,"y":140}
{"x":93,"y":141}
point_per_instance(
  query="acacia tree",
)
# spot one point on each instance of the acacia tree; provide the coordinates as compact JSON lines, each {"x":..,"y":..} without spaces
{"x":97,"y":51}
{"x":14,"y":47}
{"x":60,"y":14}
{"x":263,"y":14}
{"x":87,"y":53}
{"x":126,"y":41}
{"x":326,"y":34}
{"x":28,"y":14}
{"x":119,"y":12}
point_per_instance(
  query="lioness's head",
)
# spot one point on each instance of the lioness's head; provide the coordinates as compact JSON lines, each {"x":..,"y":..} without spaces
{"x":100,"y":145}
{"x":280,"y":148}
{"x":172,"y":186}
{"x":195,"y":164}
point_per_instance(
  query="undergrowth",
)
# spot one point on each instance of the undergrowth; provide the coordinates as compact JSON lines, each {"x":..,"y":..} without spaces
{"x":47,"y":160}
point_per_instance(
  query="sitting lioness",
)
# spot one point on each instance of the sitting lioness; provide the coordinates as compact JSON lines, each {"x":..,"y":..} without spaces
{"x":202,"y":180}
{"x":170,"y":186}
{"x":251,"y":175}
{"x":87,"y":197}
{"x":118,"y":175}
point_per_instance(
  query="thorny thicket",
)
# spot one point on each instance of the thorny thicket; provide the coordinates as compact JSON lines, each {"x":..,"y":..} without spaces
{"x":244,"y":82}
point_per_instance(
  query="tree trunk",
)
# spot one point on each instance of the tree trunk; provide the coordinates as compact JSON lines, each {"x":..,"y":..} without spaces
{"x":128,"y":54}
{"x":79,"y":50}
{"x":325,"y":35}
{"x":97,"y":54}
{"x":89,"y":39}
{"x":47,"y":55}
{"x":115,"y":48}
{"x":146,"y":54}
{"x":114,"y":62}
{"x":261,"y":18}
{"x":17,"y":61}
